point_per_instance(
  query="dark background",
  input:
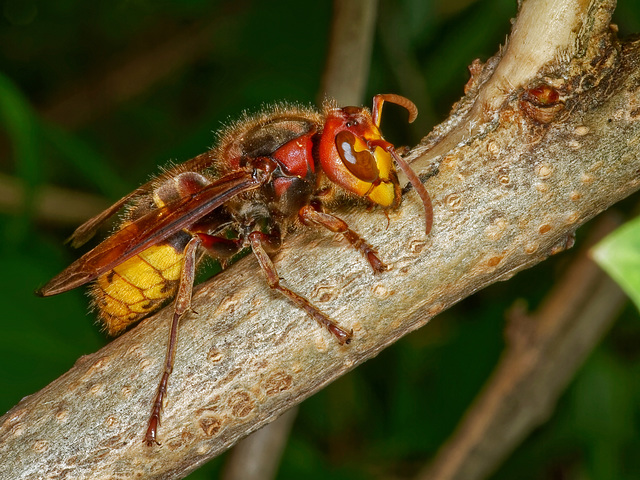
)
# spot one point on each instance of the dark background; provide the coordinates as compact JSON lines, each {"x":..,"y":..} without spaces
{"x":185,"y":68}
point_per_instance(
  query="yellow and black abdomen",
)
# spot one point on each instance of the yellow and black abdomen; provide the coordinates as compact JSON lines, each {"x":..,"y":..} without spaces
{"x":139,"y":285}
{"x":145,"y":282}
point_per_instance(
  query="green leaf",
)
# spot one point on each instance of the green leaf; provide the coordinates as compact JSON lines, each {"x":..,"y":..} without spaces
{"x":619,"y":255}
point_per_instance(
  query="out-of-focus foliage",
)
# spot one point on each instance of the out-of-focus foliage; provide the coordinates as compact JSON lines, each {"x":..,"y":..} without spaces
{"x":386,"y":418}
{"x":619,"y":255}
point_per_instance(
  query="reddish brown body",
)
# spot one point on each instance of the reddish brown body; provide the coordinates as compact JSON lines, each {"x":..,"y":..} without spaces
{"x":269,"y":174}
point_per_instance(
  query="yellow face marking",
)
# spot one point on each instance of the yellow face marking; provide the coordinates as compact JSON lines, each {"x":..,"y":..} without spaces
{"x":384,"y":162}
{"x":384,"y":194}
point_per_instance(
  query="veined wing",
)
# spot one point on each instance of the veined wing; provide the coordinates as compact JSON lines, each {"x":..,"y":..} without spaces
{"x":148,"y":230}
{"x":84,"y":232}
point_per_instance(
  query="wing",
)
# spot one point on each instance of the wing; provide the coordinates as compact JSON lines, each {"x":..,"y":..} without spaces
{"x":84,"y":232}
{"x":148,"y":230}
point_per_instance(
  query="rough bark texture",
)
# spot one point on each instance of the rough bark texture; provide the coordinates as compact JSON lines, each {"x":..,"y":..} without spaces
{"x":544,"y":349}
{"x":520,"y":178}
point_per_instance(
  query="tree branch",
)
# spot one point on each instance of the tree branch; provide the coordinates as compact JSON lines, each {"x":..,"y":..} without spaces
{"x":346,"y":69}
{"x":349,"y":57}
{"x":544,"y":350}
{"x":257,"y":457}
{"x":508,"y":194}
{"x":52,"y":204}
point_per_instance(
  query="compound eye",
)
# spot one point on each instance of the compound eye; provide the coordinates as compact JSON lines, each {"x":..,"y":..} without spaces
{"x":362,"y":163}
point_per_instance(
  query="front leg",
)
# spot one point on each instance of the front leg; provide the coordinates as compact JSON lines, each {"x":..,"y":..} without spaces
{"x":256,"y":240}
{"x":311,"y":216}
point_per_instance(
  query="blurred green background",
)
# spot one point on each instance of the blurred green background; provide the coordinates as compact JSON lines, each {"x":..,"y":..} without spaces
{"x":179,"y":70}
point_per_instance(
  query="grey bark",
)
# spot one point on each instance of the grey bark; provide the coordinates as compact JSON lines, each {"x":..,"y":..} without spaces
{"x":544,"y":349}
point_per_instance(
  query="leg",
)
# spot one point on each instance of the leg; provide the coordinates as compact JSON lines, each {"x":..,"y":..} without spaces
{"x":218,"y":248}
{"x":311,"y":216}
{"x":182,"y":304}
{"x":256,"y":239}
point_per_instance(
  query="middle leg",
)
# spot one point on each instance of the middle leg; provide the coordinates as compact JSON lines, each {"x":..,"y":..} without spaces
{"x":312,"y":216}
{"x":256,"y":240}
